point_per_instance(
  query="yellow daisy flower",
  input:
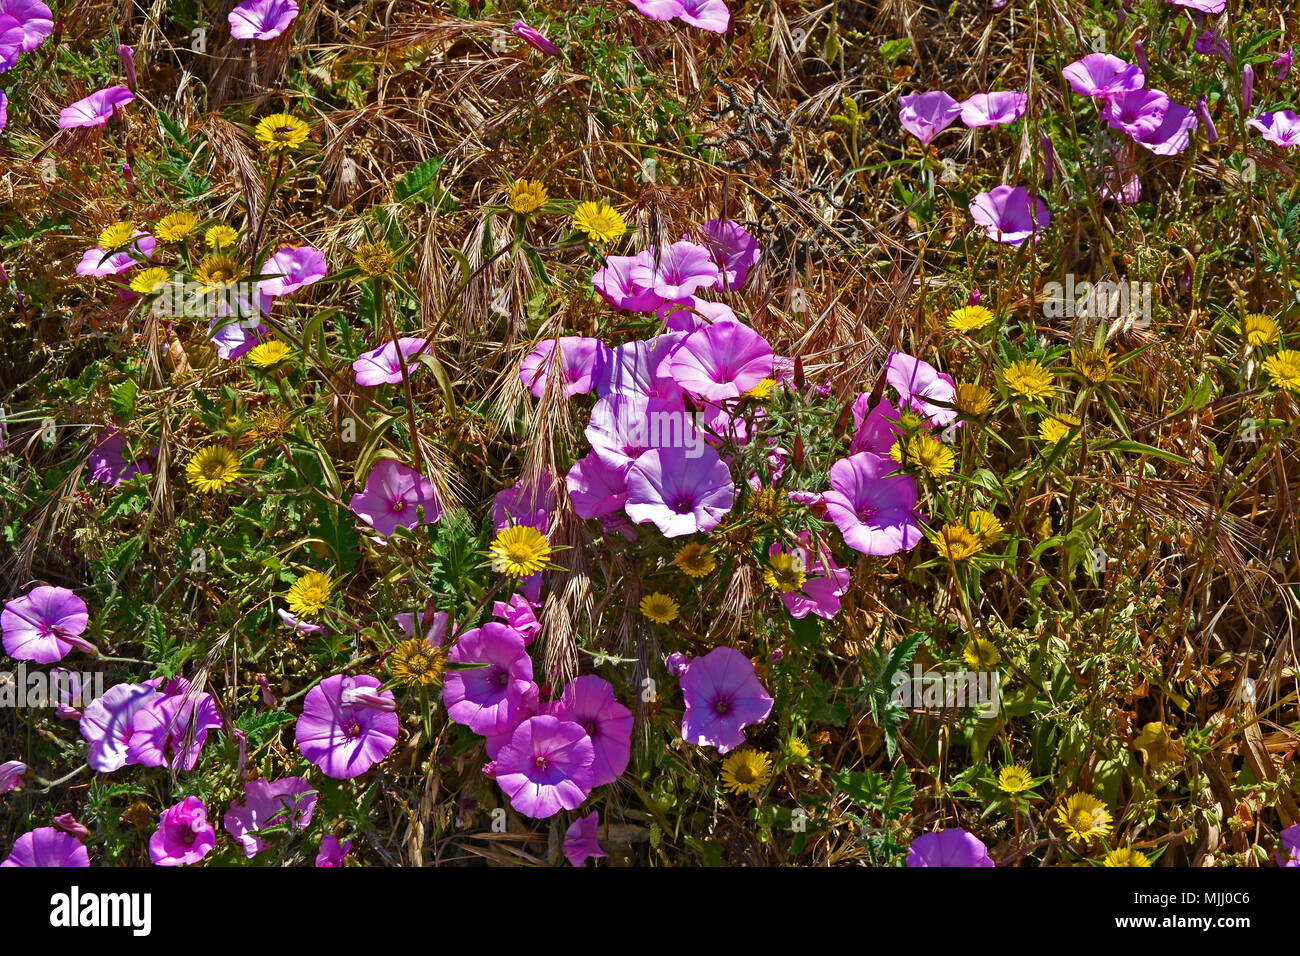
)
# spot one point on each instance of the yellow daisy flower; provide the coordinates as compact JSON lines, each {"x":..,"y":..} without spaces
{"x":1028,"y":378}
{"x":746,"y":771}
{"x":520,"y":551}
{"x":1283,"y":369}
{"x":1126,"y":856}
{"x":269,"y":353}
{"x":220,"y":237}
{"x":1014,"y":778}
{"x":956,"y":542}
{"x":149,"y":280}
{"x":600,"y":221}
{"x":175,"y":226}
{"x":1083,"y":817}
{"x":217,"y":271}
{"x":980,"y":654}
{"x":374,"y":258}
{"x":1258,"y":329}
{"x":1052,"y":430}
{"x":417,"y":663}
{"x":762,"y":391}
{"x":659,"y":607}
{"x":695,"y":560}
{"x":985,"y":526}
{"x":281,"y":132}
{"x":526,"y":195}
{"x":117,"y":236}
{"x":972,"y":399}
{"x":308,"y":595}
{"x":969,"y":318}
{"x":786,"y":572}
{"x":926,"y":454}
{"x":212,"y":468}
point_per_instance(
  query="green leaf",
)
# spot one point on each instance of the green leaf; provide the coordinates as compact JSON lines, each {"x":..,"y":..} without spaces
{"x":417,"y":180}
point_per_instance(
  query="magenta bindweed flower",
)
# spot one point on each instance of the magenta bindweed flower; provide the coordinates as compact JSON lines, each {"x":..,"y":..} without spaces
{"x":721,"y":361}
{"x":383,"y":365}
{"x":1103,"y":75}
{"x":11,"y":775}
{"x":1009,"y":214}
{"x":47,"y":847}
{"x":953,"y":847}
{"x":723,"y":696}
{"x":877,"y":428}
{"x":396,"y":496}
{"x":1281,"y":128}
{"x":520,"y":614}
{"x":1282,"y":65}
{"x":1153,"y":120}
{"x":44,"y":624}
{"x":525,"y":502}
{"x":679,"y":493}
{"x":926,"y":115}
{"x":639,"y":368}
{"x":546,"y":767}
{"x":734,"y":250}
{"x":596,"y":487}
{"x":678,"y":270}
{"x":690,"y":313}
{"x":171,"y":730}
{"x":347,"y":725}
{"x":96,"y":109}
{"x":590,"y":702}
{"x":31,"y":19}
{"x":98,"y":262}
{"x":580,"y":840}
{"x":919,"y":385}
{"x":1204,"y":6}
{"x":711,"y":15}
{"x":109,"y":722}
{"x":615,"y":283}
{"x":261,"y":19}
{"x":292,"y":269}
{"x":106,"y":463}
{"x":235,"y":339}
{"x":1288,"y":850}
{"x":332,"y":853}
{"x":993,"y":109}
{"x":581,"y":363}
{"x":4,"y":110}
{"x":288,"y":802}
{"x":874,"y":509}
{"x":485,"y":699}
{"x":534,"y":38}
{"x":184,"y":834}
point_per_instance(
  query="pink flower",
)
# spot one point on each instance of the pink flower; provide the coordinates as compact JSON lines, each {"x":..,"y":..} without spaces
{"x":874,"y":509}
{"x":589,"y":701}
{"x":1281,"y":128}
{"x":690,"y":313}
{"x":97,"y":262}
{"x":734,"y":250}
{"x":614,"y":282}
{"x":290,"y":802}
{"x":346,"y":726}
{"x":581,"y":362}
{"x":639,"y":368}
{"x":383,"y":366}
{"x":919,"y":384}
{"x":33,"y":20}
{"x":183,"y":835}
{"x":723,"y":696}
{"x":534,"y":38}
{"x":11,"y":775}
{"x":953,"y":847}
{"x":546,"y":767}
{"x":485,"y":698}
{"x":721,"y":361}
{"x":1008,"y":214}
{"x":394,"y":496}
{"x":95,"y":109}
{"x":1101,"y":76}
{"x":677,"y":270}
{"x":580,"y":842}
{"x":1204,"y":6}
{"x":679,"y":493}
{"x":47,"y":847}
{"x":993,"y":109}
{"x":261,"y":19}
{"x":332,"y":853}
{"x":926,"y":115}
{"x":175,"y":723}
{"x":596,"y":487}
{"x":877,"y":429}
{"x":520,"y":614}
{"x":108,"y":723}
{"x":711,"y":15}
{"x":294,"y":269}
{"x":44,"y":624}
